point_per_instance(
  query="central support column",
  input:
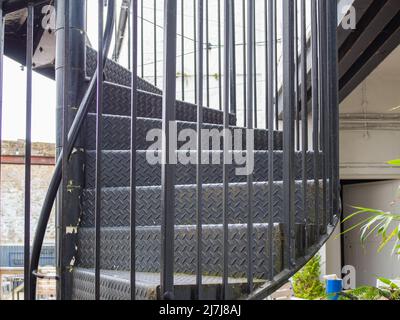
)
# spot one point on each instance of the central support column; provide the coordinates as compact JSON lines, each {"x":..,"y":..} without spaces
{"x":69,"y":67}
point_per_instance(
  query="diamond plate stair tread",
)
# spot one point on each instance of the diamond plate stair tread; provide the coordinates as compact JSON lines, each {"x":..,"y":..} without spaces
{"x":113,"y":72}
{"x":116,"y":204}
{"x":115,"y":285}
{"x":115,"y":249}
{"x":117,"y":101}
{"x":116,"y":133}
{"x":116,"y":171}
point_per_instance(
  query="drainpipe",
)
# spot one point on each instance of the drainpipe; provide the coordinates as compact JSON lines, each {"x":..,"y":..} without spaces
{"x":70,"y":66}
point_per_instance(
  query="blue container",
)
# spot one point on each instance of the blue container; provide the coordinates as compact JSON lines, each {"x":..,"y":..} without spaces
{"x":333,"y":287}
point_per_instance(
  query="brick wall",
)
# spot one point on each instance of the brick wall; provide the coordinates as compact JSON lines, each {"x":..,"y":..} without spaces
{"x":12,"y":189}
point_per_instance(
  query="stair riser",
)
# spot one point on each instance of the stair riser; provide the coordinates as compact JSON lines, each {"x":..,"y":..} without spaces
{"x":116,"y":133}
{"x":115,"y":250}
{"x":116,"y":171}
{"x":115,"y":285}
{"x":116,"y":205}
{"x":117,"y":101}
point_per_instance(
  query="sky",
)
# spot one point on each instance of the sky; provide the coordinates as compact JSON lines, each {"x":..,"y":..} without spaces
{"x":14,"y":104}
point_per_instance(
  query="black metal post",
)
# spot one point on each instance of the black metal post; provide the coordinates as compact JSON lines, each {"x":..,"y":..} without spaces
{"x":315,"y":110}
{"x":155,"y":42}
{"x":68,"y":205}
{"x":219,"y":58}
{"x":183,"y":48}
{"x":304,"y":113}
{"x":275,"y":33}
{"x":208,"y":48}
{"x":244,"y":64}
{"x":195,"y":48}
{"x":324,"y":124}
{"x":233,"y":60}
{"x":1,"y":90}
{"x":99,"y":136}
{"x":134,"y":101}
{"x":227,"y":38}
{"x":168,"y":169}
{"x":270,"y":106}
{"x":334,"y":107}
{"x":142,"y":38}
{"x":250,"y":126}
{"x":65,"y":110}
{"x":288,"y":133}
{"x":199,"y":172}
{"x":28,"y":149}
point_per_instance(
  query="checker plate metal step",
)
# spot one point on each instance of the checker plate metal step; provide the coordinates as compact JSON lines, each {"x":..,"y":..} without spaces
{"x":116,"y":133}
{"x":116,"y":73}
{"x":116,"y":204}
{"x":116,"y":171}
{"x":115,"y":249}
{"x":117,"y":101}
{"x":115,"y":285}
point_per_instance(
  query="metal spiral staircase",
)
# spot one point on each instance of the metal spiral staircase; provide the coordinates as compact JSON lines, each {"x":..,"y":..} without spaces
{"x":129,"y":229}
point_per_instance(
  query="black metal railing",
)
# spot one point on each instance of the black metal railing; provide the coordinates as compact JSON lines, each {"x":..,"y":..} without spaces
{"x":306,"y":72}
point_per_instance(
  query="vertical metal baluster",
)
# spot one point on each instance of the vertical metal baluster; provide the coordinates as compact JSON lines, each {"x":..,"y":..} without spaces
{"x":327,"y":121}
{"x":275,"y":33}
{"x":323,"y":104}
{"x":183,"y":48}
{"x":1,"y":95}
{"x":129,"y":39}
{"x":66,"y":101}
{"x":226,"y":150}
{"x":115,"y":57}
{"x":244,"y":64}
{"x":304,"y":115}
{"x":271,"y":119}
{"x":168,"y":151}
{"x":142,"y":38}
{"x":254,"y":71}
{"x":28,"y":148}
{"x":199,"y":172}
{"x":99,"y":136}
{"x":207,"y":54}
{"x":233,"y":60}
{"x":250,"y":126}
{"x":219,"y":58}
{"x":288,"y":132}
{"x":266,"y":66}
{"x":334,"y":107}
{"x":155,"y":43}
{"x":134,"y":85}
{"x":315,"y":110}
{"x":195,"y":49}
{"x":296,"y":75}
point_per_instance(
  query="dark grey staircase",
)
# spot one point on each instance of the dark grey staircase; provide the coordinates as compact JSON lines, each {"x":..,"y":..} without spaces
{"x":115,"y":215}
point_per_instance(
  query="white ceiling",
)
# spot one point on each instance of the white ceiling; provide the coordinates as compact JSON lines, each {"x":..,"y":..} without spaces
{"x":380,"y":92}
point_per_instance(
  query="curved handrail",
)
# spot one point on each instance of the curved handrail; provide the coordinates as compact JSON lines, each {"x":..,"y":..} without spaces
{"x":72,"y":136}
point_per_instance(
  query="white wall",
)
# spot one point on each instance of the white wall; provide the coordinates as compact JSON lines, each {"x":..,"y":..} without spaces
{"x":369,"y":137}
{"x":367,"y":261}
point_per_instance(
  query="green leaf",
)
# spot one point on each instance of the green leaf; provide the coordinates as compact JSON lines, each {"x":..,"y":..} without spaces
{"x":395,"y":162}
{"x":387,"y":240}
{"x":389,"y":283}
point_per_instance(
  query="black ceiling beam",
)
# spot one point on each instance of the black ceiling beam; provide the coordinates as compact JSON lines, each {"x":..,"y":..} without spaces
{"x":360,"y":6}
{"x":384,"y":44}
{"x":368,"y":29}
